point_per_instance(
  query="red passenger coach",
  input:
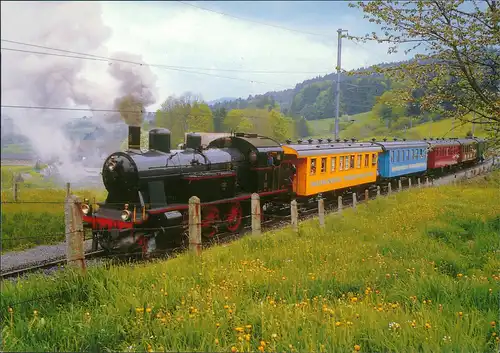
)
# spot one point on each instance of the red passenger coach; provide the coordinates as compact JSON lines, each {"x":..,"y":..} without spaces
{"x":443,"y":153}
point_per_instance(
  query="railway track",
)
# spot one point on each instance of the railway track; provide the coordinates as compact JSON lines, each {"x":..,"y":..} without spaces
{"x":275,"y":222}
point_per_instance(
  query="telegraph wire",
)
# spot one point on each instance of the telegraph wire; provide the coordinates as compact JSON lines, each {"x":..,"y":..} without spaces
{"x":257,"y":22}
{"x":105,"y":59}
{"x":152,"y":65}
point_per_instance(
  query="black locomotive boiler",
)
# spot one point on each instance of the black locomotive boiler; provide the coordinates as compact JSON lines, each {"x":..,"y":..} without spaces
{"x":149,"y":190}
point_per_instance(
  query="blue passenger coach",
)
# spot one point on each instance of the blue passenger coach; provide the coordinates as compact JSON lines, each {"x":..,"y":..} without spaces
{"x":402,"y":158}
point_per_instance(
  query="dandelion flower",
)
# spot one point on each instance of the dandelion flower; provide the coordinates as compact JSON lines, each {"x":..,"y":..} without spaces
{"x":493,"y":324}
{"x":233,"y":349}
{"x":354,"y":299}
{"x":261,"y":349}
{"x":357,"y":347}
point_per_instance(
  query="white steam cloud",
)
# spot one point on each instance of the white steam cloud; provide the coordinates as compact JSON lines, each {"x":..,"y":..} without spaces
{"x":36,"y":80}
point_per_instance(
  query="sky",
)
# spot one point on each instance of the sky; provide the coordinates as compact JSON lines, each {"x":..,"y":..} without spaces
{"x":173,"y":33}
{"x":187,"y":48}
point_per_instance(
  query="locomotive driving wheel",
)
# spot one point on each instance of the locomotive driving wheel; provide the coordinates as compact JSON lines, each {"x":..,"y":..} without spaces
{"x":209,"y":223}
{"x":234,"y":217}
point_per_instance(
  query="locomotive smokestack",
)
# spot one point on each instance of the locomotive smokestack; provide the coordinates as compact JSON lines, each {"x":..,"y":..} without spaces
{"x":134,"y":137}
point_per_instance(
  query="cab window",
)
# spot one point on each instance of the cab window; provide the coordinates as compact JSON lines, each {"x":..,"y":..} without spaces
{"x":392,"y":156}
{"x":334,"y":163}
{"x":323,"y":165}
{"x":313,"y":166}
{"x":374,"y":159}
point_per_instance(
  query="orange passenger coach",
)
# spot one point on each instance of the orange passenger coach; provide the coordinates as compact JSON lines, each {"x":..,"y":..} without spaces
{"x":326,"y":167}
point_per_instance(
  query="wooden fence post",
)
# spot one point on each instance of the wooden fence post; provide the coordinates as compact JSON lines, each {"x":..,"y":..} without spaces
{"x":68,"y":189}
{"x":295,"y":216}
{"x":321,"y":212}
{"x":367,"y":195}
{"x":194,"y":225}
{"x":389,"y":188}
{"x":256,"y":214}
{"x":15,"y":191}
{"x":354,"y":199}
{"x":409,"y":183}
{"x":418,"y":183}
{"x":400,"y":185}
{"x":75,"y":252}
{"x":339,"y":207}
{"x":378,"y":190}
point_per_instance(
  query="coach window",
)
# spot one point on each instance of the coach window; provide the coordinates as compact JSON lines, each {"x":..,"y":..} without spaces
{"x":392,"y":156}
{"x":313,"y":166}
{"x":407,"y":155}
{"x":352,"y":162}
{"x":358,"y":161}
{"x":374,"y":159}
{"x":334,"y":162}
{"x":346,"y":162}
{"x":323,"y":165}
{"x":341,"y":163}
{"x":367,"y":160}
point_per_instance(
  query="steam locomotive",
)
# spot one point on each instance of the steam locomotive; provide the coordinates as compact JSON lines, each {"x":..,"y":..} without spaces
{"x":148,"y":191}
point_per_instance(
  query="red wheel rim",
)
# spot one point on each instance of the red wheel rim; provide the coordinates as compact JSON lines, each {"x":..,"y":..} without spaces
{"x":209,"y":222}
{"x":234,"y":217}
{"x":143,"y":243}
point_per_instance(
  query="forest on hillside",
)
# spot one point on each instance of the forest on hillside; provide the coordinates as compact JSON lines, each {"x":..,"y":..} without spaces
{"x":289,"y":113}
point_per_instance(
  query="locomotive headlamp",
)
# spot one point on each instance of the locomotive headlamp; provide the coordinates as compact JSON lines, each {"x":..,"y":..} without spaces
{"x":85,"y":209}
{"x":125,"y":215}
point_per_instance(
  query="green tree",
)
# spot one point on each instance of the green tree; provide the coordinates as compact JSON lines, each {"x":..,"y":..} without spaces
{"x":184,"y":114}
{"x":459,"y":69}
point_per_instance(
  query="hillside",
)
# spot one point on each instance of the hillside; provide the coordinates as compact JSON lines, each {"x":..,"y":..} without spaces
{"x":368,"y":125}
{"x":315,"y":98}
{"x":423,"y":281}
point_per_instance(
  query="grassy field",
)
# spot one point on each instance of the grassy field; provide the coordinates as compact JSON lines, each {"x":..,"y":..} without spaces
{"x":41,"y":219}
{"x":388,"y":276}
{"x":367,"y":126}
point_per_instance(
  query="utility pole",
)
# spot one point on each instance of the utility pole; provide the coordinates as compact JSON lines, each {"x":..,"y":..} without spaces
{"x":473,"y":122}
{"x":339,"y":54}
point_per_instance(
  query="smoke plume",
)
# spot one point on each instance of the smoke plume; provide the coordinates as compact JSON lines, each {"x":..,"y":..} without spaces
{"x":34,"y":80}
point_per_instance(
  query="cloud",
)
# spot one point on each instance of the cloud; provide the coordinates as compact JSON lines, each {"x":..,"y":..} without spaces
{"x":179,"y":35}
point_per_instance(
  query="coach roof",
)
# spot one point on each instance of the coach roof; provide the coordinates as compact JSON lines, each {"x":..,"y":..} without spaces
{"x":391,"y":145}
{"x":321,"y":149}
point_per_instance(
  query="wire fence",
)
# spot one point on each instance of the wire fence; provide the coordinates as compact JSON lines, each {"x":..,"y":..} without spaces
{"x":255,"y":223}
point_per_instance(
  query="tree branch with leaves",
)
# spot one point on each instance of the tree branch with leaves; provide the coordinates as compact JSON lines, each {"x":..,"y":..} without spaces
{"x":458,"y":66}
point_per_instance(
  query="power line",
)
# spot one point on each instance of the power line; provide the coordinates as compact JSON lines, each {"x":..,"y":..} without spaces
{"x":101,"y":58}
{"x":257,"y":22}
{"x":150,"y":65}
